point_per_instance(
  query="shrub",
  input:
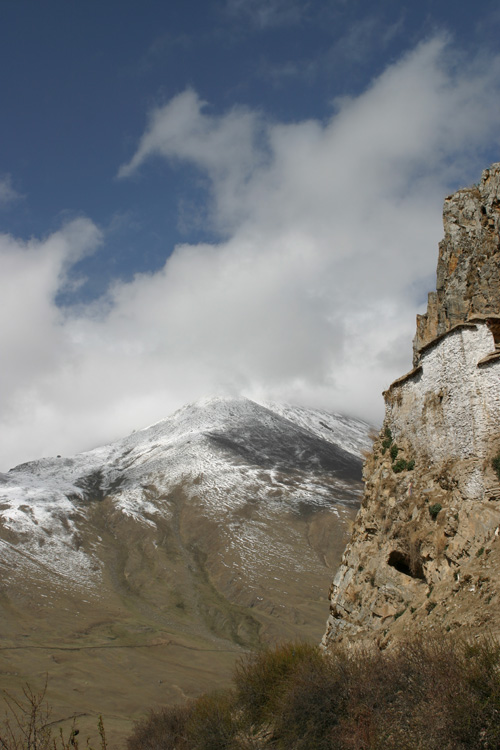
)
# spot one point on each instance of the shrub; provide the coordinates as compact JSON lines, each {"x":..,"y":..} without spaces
{"x":164,"y":729}
{"x":496,"y":465}
{"x":399,"y":466}
{"x":429,"y":694}
{"x":313,"y":704}
{"x":26,"y":725}
{"x":387,"y":441}
{"x":261,"y":679}
{"x":212,"y":723}
{"x":411,"y":464}
{"x":394,"y":451}
{"x":437,"y":693}
{"x":435,"y":509}
{"x":26,"y":721}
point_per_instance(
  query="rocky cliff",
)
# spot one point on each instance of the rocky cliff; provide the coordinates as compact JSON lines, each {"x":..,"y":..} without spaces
{"x":425,"y":548}
{"x":468,"y":271}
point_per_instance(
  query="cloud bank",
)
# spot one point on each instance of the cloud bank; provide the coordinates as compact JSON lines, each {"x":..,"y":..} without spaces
{"x":328,"y":246}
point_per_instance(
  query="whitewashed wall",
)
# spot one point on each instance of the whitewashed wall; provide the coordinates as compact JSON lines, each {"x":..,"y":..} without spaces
{"x":450,"y":408}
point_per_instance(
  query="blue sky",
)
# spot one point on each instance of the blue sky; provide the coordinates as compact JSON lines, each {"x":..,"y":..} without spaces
{"x":224,"y":196}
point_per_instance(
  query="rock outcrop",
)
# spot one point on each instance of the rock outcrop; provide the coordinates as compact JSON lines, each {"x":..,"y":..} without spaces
{"x":468,"y":271}
{"x":425,"y":548}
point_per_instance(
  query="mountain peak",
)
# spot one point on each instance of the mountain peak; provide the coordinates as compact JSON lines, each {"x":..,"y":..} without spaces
{"x":221,"y":449}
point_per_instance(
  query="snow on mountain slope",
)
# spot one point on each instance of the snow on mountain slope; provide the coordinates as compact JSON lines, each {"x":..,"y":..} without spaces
{"x":222,"y":452}
{"x":349,"y":434}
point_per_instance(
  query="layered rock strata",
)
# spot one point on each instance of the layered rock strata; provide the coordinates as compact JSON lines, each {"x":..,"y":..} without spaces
{"x":425,"y":548}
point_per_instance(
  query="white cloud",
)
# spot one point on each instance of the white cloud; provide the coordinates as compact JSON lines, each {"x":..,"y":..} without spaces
{"x":8,"y":194}
{"x":32,"y":330}
{"x":225,"y":147}
{"x":330,"y":238}
{"x":268,"y":13}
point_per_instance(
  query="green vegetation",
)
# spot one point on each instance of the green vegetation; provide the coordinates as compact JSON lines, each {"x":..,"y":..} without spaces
{"x":387,"y":441}
{"x":435,"y":509}
{"x":394,"y":451}
{"x":402,"y":465}
{"x":434,"y":694}
{"x":496,"y":464}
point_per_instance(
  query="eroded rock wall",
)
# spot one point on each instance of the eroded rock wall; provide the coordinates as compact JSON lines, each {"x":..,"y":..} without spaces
{"x":468,"y":271}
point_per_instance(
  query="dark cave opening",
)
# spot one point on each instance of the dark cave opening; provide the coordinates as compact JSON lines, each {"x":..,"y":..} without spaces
{"x":402,"y":564}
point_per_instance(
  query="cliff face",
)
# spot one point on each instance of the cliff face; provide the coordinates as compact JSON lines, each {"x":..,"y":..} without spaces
{"x":468,"y":271}
{"x":425,"y":548}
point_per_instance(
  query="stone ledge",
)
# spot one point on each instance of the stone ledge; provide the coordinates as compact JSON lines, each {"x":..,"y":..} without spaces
{"x":409,"y":375}
{"x":493,"y":357}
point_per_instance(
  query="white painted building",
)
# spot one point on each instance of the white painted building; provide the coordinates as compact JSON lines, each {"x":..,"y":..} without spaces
{"x":448,"y":407}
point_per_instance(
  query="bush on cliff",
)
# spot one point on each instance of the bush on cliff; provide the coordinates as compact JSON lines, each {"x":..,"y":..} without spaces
{"x":496,"y":465}
{"x":434,"y":694}
{"x":262,"y":680}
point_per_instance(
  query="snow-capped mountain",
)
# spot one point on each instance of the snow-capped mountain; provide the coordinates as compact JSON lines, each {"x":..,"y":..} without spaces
{"x":223,"y":451}
{"x":219,"y":525}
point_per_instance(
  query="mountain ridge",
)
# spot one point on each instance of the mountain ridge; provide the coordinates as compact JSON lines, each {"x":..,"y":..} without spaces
{"x":189,"y":443}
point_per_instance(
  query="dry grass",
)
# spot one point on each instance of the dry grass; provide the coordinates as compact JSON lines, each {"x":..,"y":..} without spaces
{"x":434,"y":695}
{"x":27,"y":725}
{"x":437,"y":694}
